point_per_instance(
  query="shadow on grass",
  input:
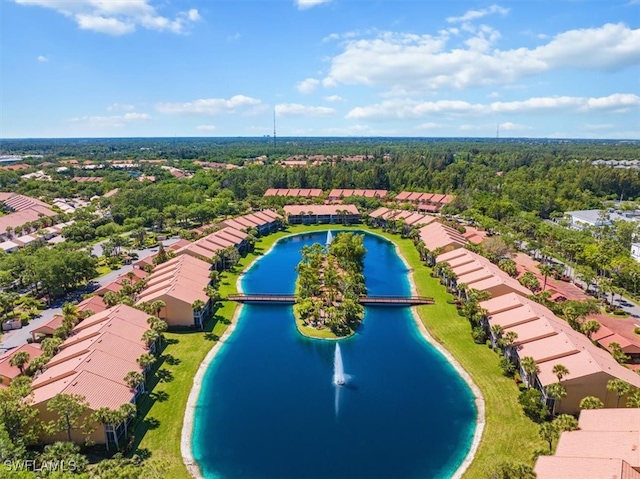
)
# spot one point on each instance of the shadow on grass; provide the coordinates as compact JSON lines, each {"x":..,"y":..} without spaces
{"x":161,"y":374}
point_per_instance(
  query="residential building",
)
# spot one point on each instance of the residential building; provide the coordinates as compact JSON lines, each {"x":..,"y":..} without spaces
{"x":8,"y":372}
{"x":309,"y":214}
{"x":93,"y":362}
{"x":604,"y":447}
{"x":179,"y":283}
{"x":550,"y":341}
{"x":339,"y":194}
{"x":294,"y":192}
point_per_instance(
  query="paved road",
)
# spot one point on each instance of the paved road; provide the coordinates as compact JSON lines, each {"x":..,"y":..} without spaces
{"x":18,"y":337}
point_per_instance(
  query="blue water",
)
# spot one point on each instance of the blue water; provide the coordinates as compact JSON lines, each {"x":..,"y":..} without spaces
{"x":268,"y":408}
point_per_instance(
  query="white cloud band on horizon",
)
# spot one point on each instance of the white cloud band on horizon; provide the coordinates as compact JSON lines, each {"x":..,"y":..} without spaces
{"x":211,"y":106}
{"x":410,"y":109}
{"x":297,"y":110}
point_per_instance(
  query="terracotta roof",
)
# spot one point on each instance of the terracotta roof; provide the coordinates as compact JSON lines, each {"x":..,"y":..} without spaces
{"x":97,"y":390}
{"x":50,"y":326}
{"x":599,"y":444}
{"x":610,"y":419}
{"x":553,"y":467}
{"x":344,"y":193}
{"x":11,"y":372}
{"x":295,"y":210}
{"x":379,"y":212}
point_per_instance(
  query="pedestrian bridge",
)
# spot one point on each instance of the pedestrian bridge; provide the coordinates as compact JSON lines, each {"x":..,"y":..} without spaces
{"x":367,"y":300}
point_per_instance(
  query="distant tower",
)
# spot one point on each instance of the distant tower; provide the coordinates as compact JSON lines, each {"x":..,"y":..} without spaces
{"x":274,"y":128}
{"x":498,"y":131}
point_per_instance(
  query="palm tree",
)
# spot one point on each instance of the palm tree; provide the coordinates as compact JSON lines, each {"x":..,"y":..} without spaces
{"x":591,"y":402}
{"x":530,"y":368}
{"x":157,"y":306}
{"x":150,"y":337}
{"x":620,"y":387}
{"x":556,"y":391}
{"x":549,"y":433}
{"x":20,"y":360}
{"x":50,"y":346}
{"x":146,"y":360}
{"x":590,"y":327}
{"x":507,"y":341}
{"x":134,"y":380}
{"x":617,"y":352}
{"x":560,"y":371}
{"x":546,"y":270}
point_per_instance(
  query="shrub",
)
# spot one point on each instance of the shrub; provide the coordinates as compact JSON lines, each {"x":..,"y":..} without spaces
{"x":636,"y":330}
{"x":508,"y":368}
{"x":478,"y":334}
{"x":531,"y":402}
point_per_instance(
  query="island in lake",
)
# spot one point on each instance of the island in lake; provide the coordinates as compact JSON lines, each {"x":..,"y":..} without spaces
{"x":330,"y":281}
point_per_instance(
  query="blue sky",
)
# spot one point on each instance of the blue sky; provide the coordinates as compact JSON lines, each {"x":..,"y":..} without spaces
{"x":448,"y":68}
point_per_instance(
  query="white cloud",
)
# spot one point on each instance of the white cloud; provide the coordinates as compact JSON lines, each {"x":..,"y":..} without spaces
{"x":508,"y":126}
{"x":211,"y":106}
{"x":42,"y":59}
{"x":430,"y":126}
{"x":206,"y":128}
{"x":120,"y":107}
{"x":113,"y":121}
{"x":118,"y":17}
{"x":308,"y":86}
{"x":297,"y":110}
{"x":306,"y":4}
{"x":333,"y":98}
{"x":409,"y":109}
{"x":410,"y":62}
{"x":494,"y":94}
{"x":475,"y":14}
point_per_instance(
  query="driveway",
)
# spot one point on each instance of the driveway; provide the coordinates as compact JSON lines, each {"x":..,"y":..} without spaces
{"x":18,"y":337}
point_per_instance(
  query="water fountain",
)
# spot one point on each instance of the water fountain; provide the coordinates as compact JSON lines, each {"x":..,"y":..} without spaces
{"x":329,"y":238}
{"x":339,"y":378}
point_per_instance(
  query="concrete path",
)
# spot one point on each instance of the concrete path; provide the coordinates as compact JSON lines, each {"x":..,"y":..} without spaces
{"x":18,"y":337}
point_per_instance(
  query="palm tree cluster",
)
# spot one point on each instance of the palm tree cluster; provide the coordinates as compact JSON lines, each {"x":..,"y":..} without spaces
{"x":330,"y":283}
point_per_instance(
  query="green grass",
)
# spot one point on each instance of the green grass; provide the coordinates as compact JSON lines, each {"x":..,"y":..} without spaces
{"x":102,"y":270}
{"x":508,"y":434}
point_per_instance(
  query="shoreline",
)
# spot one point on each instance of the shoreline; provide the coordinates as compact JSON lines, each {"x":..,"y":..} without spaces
{"x":186,"y":436}
{"x":466,"y":377}
{"x":186,"y":446}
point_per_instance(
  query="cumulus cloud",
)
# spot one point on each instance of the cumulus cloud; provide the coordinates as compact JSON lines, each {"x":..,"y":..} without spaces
{"x":412,"y":62}
{"x":118,"y":17}
{"x":430,"y":126}
{"x":308,"y":86}
{"x":206,"y":128}
{"x":212,"y":106}
{"x":113,"y":121}
{"x":334,"y":98}
{"x":476,"y":14}
{"x":120,"y":107}
{"x":297,"y":110}
{"x":306,"y":4}
{"x":508,"y":126}
{"x":42,"y":59}
{"x":410,"y":109}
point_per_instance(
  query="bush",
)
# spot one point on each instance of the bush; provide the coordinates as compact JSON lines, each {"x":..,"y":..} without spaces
{"x":636,"y":330}
{"x":479,"y":336}
{"x":508,"y":368}
{"x":531,"y":402}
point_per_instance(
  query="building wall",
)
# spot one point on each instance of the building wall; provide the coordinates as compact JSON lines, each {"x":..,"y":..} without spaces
{"x":578,"y":388}
{"x":635,"y":251}
{"x":97,"y":436}
{"x":176,"y":312}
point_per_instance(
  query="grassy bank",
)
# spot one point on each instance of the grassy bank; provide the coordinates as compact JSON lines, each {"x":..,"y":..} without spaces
{"x":508,"y":434}
{"x":158,"y":433}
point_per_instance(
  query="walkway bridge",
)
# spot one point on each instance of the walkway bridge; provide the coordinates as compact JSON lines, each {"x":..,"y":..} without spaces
{"x":367,"y":300}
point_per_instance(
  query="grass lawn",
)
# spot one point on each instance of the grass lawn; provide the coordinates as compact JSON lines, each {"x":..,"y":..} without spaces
{"x":508,"y":434}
